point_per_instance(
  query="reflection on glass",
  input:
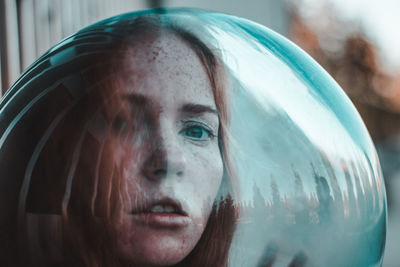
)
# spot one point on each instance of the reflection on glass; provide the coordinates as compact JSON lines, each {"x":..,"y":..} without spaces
{"x":186,"y":138}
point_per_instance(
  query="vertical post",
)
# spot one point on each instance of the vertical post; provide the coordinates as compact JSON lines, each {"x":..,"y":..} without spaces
{"x":27,"y":32}
{"x":9,"y":43}
{"x":19,"y":32}
{"x":3,"y":48}
{"x":156,"y":3}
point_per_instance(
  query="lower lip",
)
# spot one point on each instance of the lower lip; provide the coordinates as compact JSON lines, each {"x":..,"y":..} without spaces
{"x":162,"y":220}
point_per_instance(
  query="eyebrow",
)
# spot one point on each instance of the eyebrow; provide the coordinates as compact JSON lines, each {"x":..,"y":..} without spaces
{"x":186,"y":108}
{"x":136,"y":98}
{"x":197,"y":109}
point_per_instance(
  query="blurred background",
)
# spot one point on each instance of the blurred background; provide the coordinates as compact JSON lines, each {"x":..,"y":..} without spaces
{"x":356,"y":41}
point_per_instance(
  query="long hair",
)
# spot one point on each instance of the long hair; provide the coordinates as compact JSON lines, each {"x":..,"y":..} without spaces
{"x":85,"y":183}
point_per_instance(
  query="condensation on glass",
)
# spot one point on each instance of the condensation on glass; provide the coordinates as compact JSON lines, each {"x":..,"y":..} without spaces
{"x":185,"y":138}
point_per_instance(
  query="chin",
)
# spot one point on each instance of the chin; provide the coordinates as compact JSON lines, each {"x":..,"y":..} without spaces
{"x":155,"y":250}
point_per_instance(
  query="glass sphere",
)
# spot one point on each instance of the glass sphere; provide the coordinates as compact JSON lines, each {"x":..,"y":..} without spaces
{"x":189,"y":138}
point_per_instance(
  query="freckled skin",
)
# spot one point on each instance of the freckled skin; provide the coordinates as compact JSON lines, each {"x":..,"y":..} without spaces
{"x":168,"y":73}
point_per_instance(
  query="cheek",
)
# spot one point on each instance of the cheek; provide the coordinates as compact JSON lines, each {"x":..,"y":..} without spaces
{"x":132,"y":186}
{"x":205,"y":171}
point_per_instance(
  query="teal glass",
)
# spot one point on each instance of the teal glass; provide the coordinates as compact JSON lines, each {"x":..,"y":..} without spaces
{"x":300,"y":183}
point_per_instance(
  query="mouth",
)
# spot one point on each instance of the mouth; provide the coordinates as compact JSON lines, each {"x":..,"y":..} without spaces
{"x":166,"y":208}
{"x":162,"y":213}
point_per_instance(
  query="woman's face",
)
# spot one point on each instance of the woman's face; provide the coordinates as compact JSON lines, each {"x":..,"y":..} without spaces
{"x":165,"y":131}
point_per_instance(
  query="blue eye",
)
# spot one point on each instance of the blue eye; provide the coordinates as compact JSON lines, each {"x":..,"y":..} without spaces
{"x":119,"y":123}
{"x":197,"y":132}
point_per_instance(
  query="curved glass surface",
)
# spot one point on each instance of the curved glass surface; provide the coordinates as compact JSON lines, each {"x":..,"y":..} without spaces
{"x":185,"y":138}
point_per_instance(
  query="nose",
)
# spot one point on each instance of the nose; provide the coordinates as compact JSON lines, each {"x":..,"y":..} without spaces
{"x":165,"y":157}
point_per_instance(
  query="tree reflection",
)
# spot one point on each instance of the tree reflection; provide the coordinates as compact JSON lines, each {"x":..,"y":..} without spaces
{"x":332,"y":200}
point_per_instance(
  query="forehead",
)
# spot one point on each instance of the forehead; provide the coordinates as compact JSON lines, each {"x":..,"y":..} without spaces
{"x":165,"y":68}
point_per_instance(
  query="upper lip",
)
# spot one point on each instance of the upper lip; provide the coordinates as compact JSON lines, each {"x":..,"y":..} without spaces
{"x":165,"y":201}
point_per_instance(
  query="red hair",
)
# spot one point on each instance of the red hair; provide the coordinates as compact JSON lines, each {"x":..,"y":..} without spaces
{"x":84,"y":179}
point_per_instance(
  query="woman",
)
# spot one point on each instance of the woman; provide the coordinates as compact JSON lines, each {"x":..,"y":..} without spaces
{"x":137,"y":165}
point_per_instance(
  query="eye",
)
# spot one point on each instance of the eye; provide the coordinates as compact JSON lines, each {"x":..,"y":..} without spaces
{"x":197,"y":131}
{"x":119,"y":123}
